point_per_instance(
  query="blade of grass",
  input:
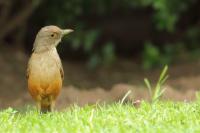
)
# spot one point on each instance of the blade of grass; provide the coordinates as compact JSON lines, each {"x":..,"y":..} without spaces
{"x":163,"y":74}
{"x":125,"y":96}
{"x":158,"y":90}
{"x":148,"y":86}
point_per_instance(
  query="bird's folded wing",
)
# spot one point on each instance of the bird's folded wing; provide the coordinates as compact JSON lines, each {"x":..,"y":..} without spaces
{"x":27,"y":71}
{"x":61,"y":72}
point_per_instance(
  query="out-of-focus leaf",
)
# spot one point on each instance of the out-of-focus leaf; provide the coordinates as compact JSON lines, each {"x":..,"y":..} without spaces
{"x":108,"y":52}
{"x":90,"y":39}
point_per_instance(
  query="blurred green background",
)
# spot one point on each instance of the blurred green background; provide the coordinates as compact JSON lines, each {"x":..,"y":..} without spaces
{"x":150,"y":32}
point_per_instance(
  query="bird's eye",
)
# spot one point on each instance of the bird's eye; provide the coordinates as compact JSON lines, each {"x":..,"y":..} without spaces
{"x":52,"y":35}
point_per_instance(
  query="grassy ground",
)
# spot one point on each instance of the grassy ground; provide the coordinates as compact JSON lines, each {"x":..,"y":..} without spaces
{"x":162,"y":117}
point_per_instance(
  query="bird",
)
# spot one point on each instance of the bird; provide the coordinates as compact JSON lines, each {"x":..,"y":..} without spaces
{"x":44,"y":71}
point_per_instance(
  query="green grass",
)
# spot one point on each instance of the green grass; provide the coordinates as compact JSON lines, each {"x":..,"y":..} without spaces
{"x":158,"y":89}
{"x":163,"y":117}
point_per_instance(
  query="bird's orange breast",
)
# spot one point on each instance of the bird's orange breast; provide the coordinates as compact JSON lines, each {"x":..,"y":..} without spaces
{"x":39,"y":89}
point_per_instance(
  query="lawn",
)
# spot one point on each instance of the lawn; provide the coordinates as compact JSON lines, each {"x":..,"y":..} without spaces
{"x":161,"y":117}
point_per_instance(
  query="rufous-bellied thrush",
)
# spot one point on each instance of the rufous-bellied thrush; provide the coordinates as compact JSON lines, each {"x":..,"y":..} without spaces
{"x":45,"y":73}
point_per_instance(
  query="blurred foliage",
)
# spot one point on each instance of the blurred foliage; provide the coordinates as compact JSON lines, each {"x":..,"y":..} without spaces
{"x":167,"y":12}
{"x":62,"y":12}
{"x":72,"y":13}
{"x":153,"y":56}
{"x":192,"y":38}
{"x":105,"y":57}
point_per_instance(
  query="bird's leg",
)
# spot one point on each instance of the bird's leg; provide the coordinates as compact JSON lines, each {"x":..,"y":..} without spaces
{"x":52,"y":104}
{"x":38,"y":106}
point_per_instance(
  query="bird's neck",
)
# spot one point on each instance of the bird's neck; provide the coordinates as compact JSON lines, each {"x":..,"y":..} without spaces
{"x":43,"y":49}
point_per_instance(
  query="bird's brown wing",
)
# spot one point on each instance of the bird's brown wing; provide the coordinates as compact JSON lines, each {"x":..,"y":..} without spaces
{"x":61,"y":72}
{"x":27,"y":73}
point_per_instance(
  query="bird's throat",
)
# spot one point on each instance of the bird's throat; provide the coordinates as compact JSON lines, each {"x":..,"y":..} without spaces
{"x":43,"y":48}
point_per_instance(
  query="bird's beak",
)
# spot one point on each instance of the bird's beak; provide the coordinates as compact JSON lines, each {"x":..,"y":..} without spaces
{"x":66,"y":31}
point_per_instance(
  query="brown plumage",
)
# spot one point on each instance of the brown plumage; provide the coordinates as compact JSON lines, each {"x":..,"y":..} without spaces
{"x":45,"y":72}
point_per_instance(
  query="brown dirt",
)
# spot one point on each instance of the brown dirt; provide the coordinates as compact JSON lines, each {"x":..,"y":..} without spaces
{"x":83,"y":86}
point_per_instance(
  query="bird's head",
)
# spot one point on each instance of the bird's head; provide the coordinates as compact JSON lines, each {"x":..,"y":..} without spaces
{"x":49,"y":37}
